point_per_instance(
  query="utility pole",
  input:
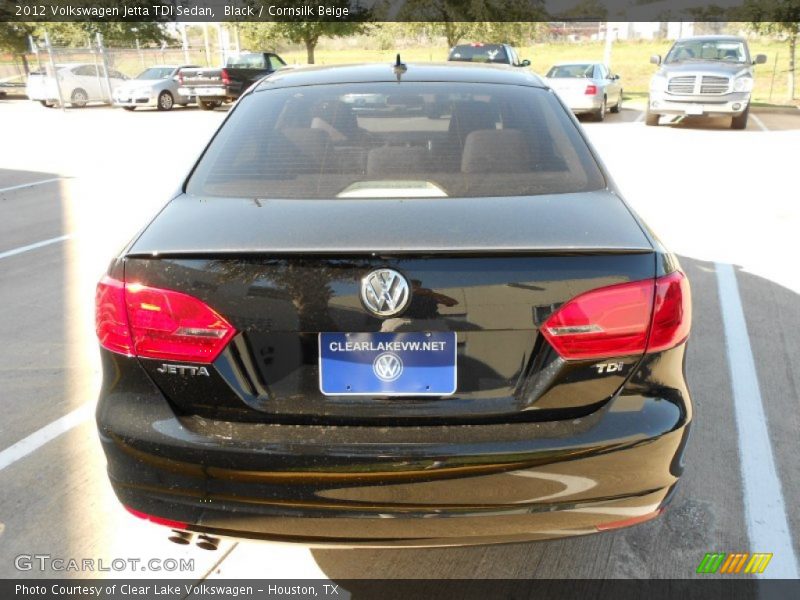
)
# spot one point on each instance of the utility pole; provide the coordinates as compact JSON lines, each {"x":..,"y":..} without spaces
{"x":53,"y":68}
{"x":102,"y":51}
{"x":207,"y":45}
{"x":609,"y":39}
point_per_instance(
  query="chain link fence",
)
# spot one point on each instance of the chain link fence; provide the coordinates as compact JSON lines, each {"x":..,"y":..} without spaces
{"x":91,"y":73}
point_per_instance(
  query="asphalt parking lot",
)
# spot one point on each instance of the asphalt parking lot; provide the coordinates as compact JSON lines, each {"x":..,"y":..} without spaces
{"x":75,"y":185}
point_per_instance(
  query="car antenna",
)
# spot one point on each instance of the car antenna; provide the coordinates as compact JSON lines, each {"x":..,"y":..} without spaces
{"x":399,"y":68}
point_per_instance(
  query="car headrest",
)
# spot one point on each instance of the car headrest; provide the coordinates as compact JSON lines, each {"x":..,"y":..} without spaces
{"x":471,"y":116}
{"x":496,"y":151}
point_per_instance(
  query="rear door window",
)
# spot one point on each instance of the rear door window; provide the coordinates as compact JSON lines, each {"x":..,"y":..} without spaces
{"x":384,"y":140}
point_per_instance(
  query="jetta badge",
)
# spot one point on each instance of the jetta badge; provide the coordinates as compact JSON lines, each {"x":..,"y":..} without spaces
{"x":385,"y":292}
{"x":387,"y":366}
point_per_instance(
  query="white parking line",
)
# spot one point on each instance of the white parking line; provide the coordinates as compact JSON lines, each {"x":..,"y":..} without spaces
{"x":765,"y":510}
{"x":47,"y":433}
{"x":759,"y":122}
{"x":34,"y":246}
{"x":27,"y":185}
{"x":640,"y":118}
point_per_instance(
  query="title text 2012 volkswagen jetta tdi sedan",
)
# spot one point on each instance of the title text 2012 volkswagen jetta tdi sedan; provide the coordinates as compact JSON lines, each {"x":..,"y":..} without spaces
{"x":395,"y":306}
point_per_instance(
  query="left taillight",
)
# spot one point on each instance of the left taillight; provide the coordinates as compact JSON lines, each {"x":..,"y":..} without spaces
{"x":111,"y":316}
{"x":150,"y":322}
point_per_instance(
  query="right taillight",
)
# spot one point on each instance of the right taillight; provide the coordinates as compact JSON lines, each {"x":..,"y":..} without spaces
{"x":226,"y":79}
{"x":591,"y":90}
{"x":150,"y":322}
{"x":672,"y":313}
{"x":622,"y":320}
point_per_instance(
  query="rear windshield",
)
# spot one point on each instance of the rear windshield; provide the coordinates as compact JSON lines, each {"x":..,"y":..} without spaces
{"x":480,"y":53}
{"x":385,"y":140}
{"x":156,"y":73}
{"x":571,"y":72}
{"x":246,"y":61}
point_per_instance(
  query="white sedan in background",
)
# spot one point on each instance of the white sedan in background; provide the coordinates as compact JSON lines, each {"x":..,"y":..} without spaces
{"x":80,"y":84}
{"x":586,"y":88}
{"x":156,"y":87}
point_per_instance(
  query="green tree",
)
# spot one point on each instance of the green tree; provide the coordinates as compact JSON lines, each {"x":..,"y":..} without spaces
{"x":456,"y":20}
{"x":780,"y":18}
{"x":309,"y":33}
{"x":14,"y":39}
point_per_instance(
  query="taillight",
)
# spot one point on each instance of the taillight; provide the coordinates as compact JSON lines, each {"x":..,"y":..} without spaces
{"x":149,"y":322}
{"x":157,"y":520}
{"x":225,"y":77}
{"x":672,"y":314}
{"x":111,"y":316}
{"x":618,"y":320}
{"x":591,"y":90}
{"x":180,"y":78}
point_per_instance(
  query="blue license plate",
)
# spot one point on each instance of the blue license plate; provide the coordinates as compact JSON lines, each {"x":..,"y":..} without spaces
{"x":387,"y":364}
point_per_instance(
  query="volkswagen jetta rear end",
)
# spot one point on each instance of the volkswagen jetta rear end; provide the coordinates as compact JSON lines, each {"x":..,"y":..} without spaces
{"x":359,"y":324}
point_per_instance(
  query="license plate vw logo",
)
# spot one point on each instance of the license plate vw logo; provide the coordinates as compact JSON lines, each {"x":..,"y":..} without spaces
{"x":387,"y":366}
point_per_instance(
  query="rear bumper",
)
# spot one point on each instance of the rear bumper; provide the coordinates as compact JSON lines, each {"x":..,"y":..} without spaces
{"x":584,"y":104}
{"x":397,"y":486}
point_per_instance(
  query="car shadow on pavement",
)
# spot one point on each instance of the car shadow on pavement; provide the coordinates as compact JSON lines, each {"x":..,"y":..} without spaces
{"x":706,"y":514}
{"x":772,"y":121}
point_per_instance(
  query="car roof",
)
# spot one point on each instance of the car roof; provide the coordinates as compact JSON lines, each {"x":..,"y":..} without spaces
{"x":576,"y":62}
{"x":712,"y":38}
{"x":456,"y":72}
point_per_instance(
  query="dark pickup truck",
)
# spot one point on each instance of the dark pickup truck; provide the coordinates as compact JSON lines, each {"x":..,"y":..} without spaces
{"x":212,"y":87}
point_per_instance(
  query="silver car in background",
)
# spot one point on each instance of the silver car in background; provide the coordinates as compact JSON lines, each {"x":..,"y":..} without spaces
{"x":156,"y":86}
{"x":586,"y":88}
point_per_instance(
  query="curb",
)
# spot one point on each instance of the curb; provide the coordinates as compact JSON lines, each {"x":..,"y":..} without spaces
{"x":777,"y":110}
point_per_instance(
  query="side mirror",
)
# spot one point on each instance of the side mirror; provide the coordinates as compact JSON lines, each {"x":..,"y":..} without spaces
{"x":655,"y":59}
{"x":614,"y":77}
{"x":760,"y":59}
{"x":527,"y":63}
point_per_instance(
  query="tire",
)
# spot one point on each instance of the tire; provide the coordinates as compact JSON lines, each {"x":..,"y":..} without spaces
{"x":740,"y":122}
{"x":79,"y":98}
{"x":46,"y":104}
{"x":165,"y":101}
{"x":618,"y":106}
{"x":208,"y":104}
{"x":130,"y":108}
{"x":651,"y":119}
{"x":600,"y":115}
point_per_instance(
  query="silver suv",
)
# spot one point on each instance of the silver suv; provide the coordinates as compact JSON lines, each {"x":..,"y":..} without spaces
{"x":704,"y":76}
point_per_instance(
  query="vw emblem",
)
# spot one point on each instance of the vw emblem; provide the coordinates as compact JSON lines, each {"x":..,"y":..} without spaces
{"x":385,"y":292}
{"x":387,"y":366}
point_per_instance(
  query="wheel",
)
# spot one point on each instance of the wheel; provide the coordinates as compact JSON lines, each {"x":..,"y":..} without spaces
{"x":79,"y":98}
{"x":618,"y":106}
{"x":165,"y":101}
{"x":600,"y":114}
{"x":46,"y":104}
{"x":208,"y":104}
{"x":131,"y":108}
{"x":651,"y":119}
{"x":740,"y":122}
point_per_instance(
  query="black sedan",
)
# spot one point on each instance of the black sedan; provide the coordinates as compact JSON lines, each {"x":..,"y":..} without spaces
{"x":385,"y":328}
